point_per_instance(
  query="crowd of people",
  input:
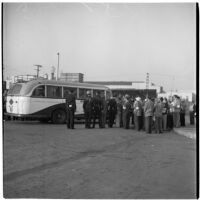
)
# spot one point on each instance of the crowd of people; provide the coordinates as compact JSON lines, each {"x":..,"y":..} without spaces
{"x":159,"y":114}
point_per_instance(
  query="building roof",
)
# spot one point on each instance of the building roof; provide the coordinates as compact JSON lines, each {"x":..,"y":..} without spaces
{"x":114,"y":82}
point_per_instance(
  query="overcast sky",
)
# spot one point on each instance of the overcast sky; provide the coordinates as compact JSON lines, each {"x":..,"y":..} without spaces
{"x":105,"y":42}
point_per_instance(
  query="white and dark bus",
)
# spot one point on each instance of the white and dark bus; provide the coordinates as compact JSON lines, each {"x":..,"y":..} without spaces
{"x":44,"y":100}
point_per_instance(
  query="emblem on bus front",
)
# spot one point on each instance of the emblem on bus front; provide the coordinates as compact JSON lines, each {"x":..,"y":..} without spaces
{"x":11,"y":101}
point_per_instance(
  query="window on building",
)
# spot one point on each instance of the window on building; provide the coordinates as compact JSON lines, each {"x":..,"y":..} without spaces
{"x":39,"y":91}
{"x":54,"y":91}
{"x":67,"y":89}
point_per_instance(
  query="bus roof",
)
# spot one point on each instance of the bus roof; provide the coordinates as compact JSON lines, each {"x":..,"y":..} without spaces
{"x":28,"y":86}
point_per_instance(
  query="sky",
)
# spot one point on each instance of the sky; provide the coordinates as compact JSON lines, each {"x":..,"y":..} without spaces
{"x":104,"y":41}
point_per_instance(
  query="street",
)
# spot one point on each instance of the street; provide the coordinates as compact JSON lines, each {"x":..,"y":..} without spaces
{"x":51,"y":161}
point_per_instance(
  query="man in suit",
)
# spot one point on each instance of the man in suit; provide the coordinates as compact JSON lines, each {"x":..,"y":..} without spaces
{"x":97,"y":106}
{"x":87,"y":107}
{"x":111,"y":111}
{"x":138,"y":113}
{"x":126,"y":111}
{"x":70,"y":108}
{"x":148,"y":113}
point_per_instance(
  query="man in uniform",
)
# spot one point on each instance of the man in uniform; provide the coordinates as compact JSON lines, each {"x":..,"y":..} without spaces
{"x":70,"y":108}
{"x":96,"y":110}
{"x":111,"y":111}
{"x":87,"y":107}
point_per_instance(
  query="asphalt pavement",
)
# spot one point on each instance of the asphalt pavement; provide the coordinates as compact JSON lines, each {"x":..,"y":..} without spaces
{"x":51,"y":161}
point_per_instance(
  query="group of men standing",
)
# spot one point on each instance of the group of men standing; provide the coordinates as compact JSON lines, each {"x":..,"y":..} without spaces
{"x":97,"y":108}
{"x":120,"y":110}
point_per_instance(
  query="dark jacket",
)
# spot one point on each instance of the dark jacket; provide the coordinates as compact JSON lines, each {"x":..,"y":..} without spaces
{"x":87,"y":105}
{"x":70,"y":102}
{"x":112,"y":106}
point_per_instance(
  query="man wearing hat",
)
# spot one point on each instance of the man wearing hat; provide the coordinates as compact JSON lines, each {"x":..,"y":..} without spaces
{"x":138,"y":113}
{"x":177,"y":109}
{"x":97,"y":106}
{"x":148,"y":112}
{"x":70,"y":108}
{"x":111,"y":111}
{"x":87,"y":107}
{"x":126,"y":111}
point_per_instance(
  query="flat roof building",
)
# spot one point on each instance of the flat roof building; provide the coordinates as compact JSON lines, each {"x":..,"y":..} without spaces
{"x":71,"y":77}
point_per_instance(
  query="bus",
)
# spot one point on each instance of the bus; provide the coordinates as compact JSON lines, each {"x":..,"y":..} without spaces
{"x":44,"y":100}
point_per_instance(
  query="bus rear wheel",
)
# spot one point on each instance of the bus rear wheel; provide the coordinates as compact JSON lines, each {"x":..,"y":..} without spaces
{"x":58,"y":117}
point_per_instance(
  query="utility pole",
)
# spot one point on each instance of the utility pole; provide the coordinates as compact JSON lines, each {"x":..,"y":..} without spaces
{"x":147,"y":83}
{"x":38,"y":69}
{"x":58,"y":67}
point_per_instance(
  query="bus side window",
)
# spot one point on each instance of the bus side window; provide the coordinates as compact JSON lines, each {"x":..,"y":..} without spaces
{"x":83,"y":93}
{"x":39,"y":91}
{"x":108,"y":94}
{"x":54,"y":91}
{"x":66,"y":89}
{"x":99,"y":92}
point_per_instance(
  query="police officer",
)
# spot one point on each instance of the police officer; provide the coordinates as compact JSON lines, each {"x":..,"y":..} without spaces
{"x":126,"y":111}
{"x":87,"y":107}
{"x":111,"y":111}
{"x":70,"y":108}
{"x":97,"y":109}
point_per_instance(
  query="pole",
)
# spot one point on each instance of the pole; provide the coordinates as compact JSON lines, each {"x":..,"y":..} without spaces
{"x":38,"y":66}
{"x":58,"y":67}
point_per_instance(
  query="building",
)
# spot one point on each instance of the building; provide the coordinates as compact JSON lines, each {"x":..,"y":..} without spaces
{"x":71,"y":77}
{"x":133,"y":88}
{"x":138,"y":85}
{"x":187,"y":95}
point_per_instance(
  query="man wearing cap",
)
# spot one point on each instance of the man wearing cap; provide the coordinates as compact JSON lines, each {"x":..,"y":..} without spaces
{"x":87,"y":107}
{"x":138,"y":113}
{"x":70,"y":108}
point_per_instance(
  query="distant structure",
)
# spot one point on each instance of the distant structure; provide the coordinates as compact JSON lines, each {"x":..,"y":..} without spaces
{"x":133,"y":88}
{"x":53,"y":69}
{"x":127,"y":85}
{"x":147,"y":81}
{"x":71,"y":77}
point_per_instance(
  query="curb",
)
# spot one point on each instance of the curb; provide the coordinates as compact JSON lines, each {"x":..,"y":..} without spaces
{"x":190,"y":133}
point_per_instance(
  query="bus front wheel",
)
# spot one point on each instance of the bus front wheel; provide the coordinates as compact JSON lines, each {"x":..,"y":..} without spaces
{"x":58,"y":117}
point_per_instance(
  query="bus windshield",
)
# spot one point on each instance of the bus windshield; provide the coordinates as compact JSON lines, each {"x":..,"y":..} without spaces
{"x":15,"y":90}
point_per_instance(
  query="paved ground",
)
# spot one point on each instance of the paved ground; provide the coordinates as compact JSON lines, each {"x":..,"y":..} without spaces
{"x":50,"y":161}
{"x":188,"y":131}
